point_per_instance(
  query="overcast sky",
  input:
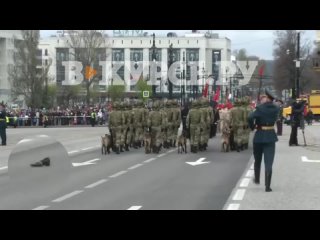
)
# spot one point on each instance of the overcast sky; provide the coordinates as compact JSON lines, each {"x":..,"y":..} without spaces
{"x":257,"y":42}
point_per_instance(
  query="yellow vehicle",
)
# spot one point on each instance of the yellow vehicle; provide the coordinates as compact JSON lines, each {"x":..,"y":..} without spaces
{"x":314,"y":103}
{"x":286,"y":112}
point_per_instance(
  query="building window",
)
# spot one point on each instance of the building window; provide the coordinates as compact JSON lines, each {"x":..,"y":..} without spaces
{"x":136,"y":55}
{"x":46,"y":52}
{"x":46,"y":62}
{"x":117,"y":55}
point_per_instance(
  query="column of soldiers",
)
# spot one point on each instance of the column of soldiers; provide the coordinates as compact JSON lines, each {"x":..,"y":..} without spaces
{"x":128,"y":125}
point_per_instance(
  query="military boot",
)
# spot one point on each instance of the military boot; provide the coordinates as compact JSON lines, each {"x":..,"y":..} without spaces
{"x":268,"y":175}
{"x":195,"y":149}
{"x":256,"y":179}
{"x":121,"y":148}
{"x":127,"y":147}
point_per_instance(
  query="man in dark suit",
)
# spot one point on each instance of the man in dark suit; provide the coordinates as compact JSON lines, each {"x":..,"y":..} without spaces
{"x":263,"y":119}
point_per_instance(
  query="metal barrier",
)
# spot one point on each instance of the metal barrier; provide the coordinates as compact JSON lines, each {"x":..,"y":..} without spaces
{"x":55,"y":121}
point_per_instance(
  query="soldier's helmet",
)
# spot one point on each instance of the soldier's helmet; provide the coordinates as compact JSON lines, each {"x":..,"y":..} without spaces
{"x":156,"y":105}
{"x":168,"y":103}
{"x":175,"y":103}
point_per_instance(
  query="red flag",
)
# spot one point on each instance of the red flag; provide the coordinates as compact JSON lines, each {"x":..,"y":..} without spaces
{"x":205,"y":90}
{"x":217,"y":95}
{"x":261,"y":69}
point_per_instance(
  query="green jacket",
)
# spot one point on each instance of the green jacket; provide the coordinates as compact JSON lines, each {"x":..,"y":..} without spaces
{"x":265,"y":115}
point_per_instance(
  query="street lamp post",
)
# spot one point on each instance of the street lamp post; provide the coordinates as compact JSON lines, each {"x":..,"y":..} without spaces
{"x":298,"y":67}
{"x":170,"y":63}
{"x":154,"y":59}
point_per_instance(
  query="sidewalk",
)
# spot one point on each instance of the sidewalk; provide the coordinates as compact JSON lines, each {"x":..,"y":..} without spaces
{"x":295,"y":183}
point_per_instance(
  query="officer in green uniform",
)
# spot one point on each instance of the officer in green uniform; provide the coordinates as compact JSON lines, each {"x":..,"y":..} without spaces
{"x":127,"y":128}
{"x":263,"y":119}
{"x":164,"y":125}
{"x":168,"y":140}
{"x":3,"y":125}
{"x":204,"y":137}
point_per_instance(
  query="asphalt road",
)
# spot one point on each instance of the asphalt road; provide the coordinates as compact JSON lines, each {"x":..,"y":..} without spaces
{"x":134,"y":180}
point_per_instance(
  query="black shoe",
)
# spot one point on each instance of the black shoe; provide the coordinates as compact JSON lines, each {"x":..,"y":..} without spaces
{"x":118,"y":150}
{"x":121,"y":148}
{"x":127,"y":147}
{"x":46,"y":162}
{"x":37,"y":164}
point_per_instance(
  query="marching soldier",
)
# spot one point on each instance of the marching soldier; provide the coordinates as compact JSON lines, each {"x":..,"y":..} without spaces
{"x":176,"y":120}
{"x":115,"y":125}
{"x":3,"y":125}
{"x":156,"y":122}
{"x":194,"y":123}
{"x":237,"y":123}
{"x":168,"y":140}
{"x":139,"y":120}
{"x":264,"y":118}
{"x":205,"y":115}
{"x":127,"y":114}
{"x":164,"y":125}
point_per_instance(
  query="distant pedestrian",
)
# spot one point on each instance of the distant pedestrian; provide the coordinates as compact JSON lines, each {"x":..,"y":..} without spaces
{"x":3,"y":125}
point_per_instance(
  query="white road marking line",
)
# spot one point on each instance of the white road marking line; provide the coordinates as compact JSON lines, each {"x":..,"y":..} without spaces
{"x":135,"y":166}
{"x":84,"y":149}
{"x":233,"y":206}
{"x":305,"y":159}
{"x":238,"y":196}
{"x":150,"y":160}
{"x":118,"y":174}
{"x":74,"y":151}
{"x":41,"y":208}
{"x":170,"y":151}
{"x":5,"y":167}
{"x":134,"y":208}
{"x":90,"y":162}
{"x":161,"y":155}
{"x":250,"y":173}
{"x":96,"y":183}
{"x":245,"y":182}
{"x":94,"y":160}
{"x":69,"y":195}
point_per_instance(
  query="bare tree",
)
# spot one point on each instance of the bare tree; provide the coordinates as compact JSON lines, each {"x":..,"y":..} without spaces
{"x":284,"y":75}
{"x":89,"y":48}
{"x":27,"y":76}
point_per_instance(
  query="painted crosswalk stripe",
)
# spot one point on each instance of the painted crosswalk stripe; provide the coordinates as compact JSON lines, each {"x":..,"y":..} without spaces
{"x":118,"y":174}
{"x":245,"y":182}
{"x":96,"y":183}
{"x":250,"y":173}
{"x":238,"y":196}
{"x":2,"y":168}
{"x":233,"y":206}
{"x":60,"y":199}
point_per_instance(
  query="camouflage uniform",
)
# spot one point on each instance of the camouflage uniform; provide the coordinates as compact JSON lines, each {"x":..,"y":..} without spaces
{"x":169,"y":129}
{"x":237,"y":124}
{"x":138,"y":123}
{"x":164,"y":126}
{"x":176,"y":120}
{"x":156,"y":123}
{"x":194,"y":123}
{"x":115,"y":126}
{"x":128,"y":122}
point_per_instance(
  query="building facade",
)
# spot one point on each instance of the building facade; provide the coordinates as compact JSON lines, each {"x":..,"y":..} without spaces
{"x":209,"y":51}
{"x":7,"y":47}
